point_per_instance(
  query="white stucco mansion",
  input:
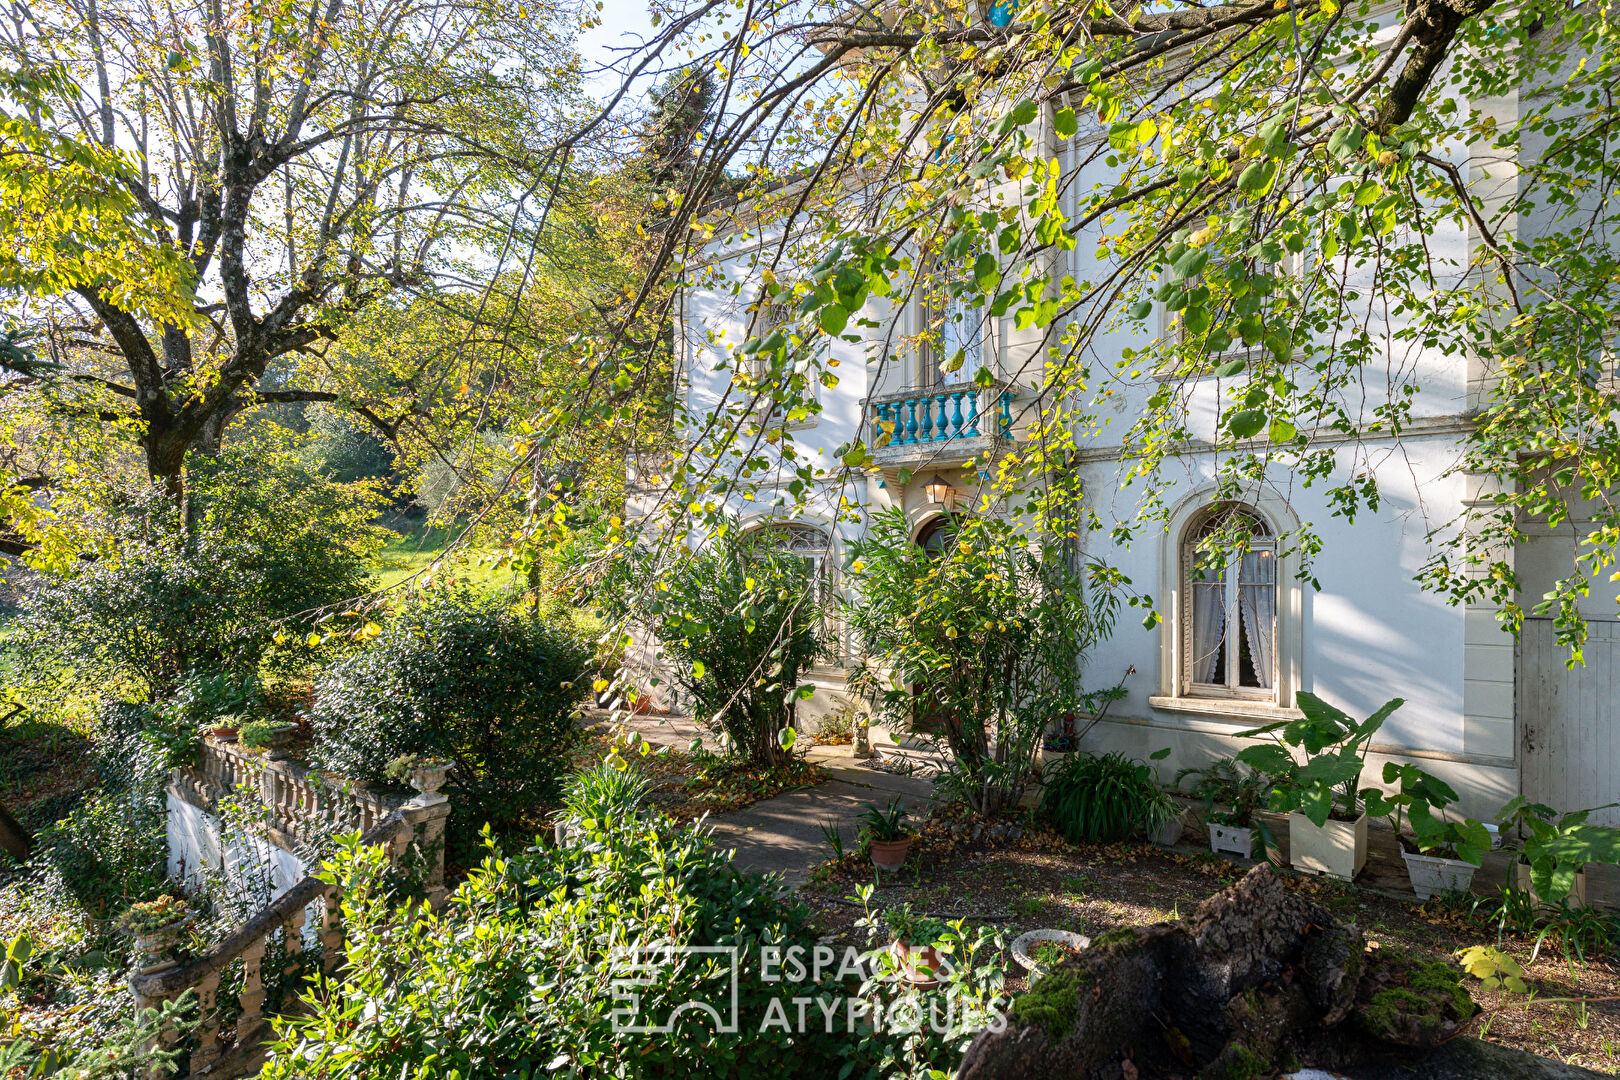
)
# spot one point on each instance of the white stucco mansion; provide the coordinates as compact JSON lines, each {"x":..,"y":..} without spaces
{"x":1493,"y":715}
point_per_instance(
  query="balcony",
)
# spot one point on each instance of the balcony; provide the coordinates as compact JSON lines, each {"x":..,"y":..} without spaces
{"x":949,"y":423}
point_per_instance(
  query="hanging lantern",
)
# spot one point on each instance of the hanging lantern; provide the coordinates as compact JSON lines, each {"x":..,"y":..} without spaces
{"x":938,"y":491}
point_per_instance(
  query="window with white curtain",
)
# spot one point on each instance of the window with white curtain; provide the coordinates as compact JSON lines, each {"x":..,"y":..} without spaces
{"x":1229,"y":617}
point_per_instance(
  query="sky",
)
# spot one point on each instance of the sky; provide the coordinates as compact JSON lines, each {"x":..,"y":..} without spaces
{"x":624,"y":22}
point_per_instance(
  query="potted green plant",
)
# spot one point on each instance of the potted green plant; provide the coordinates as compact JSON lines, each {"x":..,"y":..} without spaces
{"x":423,"y":772}
{"x":1327,"y":823}
{"x":1039,"y":951}
{"x":155,"y":924}
{"x":886,"y":834}
{"x":915,"y":947}
{"x":1241,"y":791}
{"x":265,"y":735}
{"x":1441,"y":855}
{"x":1552,"y":860}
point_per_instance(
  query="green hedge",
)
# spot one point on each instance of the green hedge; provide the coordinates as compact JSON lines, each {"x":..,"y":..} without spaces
{"x":461,"y":676}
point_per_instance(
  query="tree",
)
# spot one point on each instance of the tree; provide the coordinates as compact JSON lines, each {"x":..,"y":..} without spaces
{"x":297,"y":165}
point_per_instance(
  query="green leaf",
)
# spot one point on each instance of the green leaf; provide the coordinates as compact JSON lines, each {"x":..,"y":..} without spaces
{"x":986,"y":271}
{"x":1246,"y":423}
{"x":1025,"y":112}
{"x":1141,"y":309}
{"x":1282,"y":431}
{"x":1231,"y":367}
{"x":787,"y":736}
{"x":1065,"y":124}
{"x":833,"y":319}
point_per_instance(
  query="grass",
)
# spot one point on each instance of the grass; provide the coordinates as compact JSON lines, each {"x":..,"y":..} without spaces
{"x":419,"y":544}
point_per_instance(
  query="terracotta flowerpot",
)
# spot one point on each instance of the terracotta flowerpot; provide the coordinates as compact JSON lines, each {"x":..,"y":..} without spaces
{"x":1337,"y":849}
{"x":224,"y":734}
{"x":922,"y":964}
{"x":890,"y":854}
{"x":1234,"y":839}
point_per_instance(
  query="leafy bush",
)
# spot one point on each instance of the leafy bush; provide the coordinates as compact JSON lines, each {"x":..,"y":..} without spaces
{"x":533,"y":988}
{"x":110,"y":852}
{"x":982,"y":643}
{"x":1104,"y":798}
{"x":740,"y":623}
{"x":461,"y":677}
{"x":268,"y":543}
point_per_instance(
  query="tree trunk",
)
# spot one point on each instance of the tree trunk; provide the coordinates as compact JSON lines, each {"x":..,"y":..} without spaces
{"x":15,"y":839}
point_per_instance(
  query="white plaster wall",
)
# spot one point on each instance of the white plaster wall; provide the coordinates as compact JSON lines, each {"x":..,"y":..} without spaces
{"x":196,"y":844}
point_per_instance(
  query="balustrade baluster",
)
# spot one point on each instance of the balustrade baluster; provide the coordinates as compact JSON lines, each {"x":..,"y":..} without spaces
{"x":252,"y":995}
{"x":1005,"y":422}
{"x":911,"y":421}
{"x":925,"y":427}
{"x":883,"y":411}
{"x":207,"y":1051}
{"x":331,"y":932}
{"x":295,"y":942}
{"x":973,"y":413}
{"x":956,"y":415}
{"x":943,"y":427}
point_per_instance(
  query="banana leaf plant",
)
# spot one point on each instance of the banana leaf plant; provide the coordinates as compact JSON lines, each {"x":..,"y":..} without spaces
{"x":1420,"y":798}
{"x":1334,"y":746}
{"x":1558,"y":848}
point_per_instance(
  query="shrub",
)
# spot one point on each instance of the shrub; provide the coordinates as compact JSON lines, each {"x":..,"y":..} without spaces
{"x":1104,"y":798}
{"x":110,"y":852}
{"x":457,"y":676}
{"x":982,"y":644}
{"x":534,"y":986}
{"x":268,"y":543}
{"x":739,"y":625}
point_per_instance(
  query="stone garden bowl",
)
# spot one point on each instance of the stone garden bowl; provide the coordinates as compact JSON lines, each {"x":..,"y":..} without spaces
{"x":1023,"y":946}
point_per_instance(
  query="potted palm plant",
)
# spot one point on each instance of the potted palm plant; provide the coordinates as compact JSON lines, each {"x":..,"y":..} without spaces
{"x":1240,"y":791}
{"x":886,"y":834}
{"x":1555,"y":850}
{"x":1327,"y":823}
{"x":916,"y":944}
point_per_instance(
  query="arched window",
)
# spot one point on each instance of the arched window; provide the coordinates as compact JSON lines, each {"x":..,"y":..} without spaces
{"x":806,"y":541}
{"x":1229,"y":622}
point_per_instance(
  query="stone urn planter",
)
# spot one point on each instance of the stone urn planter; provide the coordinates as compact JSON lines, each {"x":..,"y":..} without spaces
{"x":1025,"y":944}
{"x":890,"y":854}
{"x":1432,"y":874}
{"x":920,"y":964}
{"x":1233,"y":839}
{"x":1577,"y":891}
{"x":1336,"y":849}
{"x":428,"y":777}
{"x":155,"y":926}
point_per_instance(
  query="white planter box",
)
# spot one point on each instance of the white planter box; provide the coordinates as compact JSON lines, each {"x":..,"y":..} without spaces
{"x":1431,"y":874}
{"x":1337,"y":849}
{"x":1234,"y":839}
{"x":1521,"y":881}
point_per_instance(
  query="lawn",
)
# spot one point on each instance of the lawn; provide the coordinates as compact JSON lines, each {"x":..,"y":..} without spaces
{"x":419,"y":544}
{"x":1040,"y":880}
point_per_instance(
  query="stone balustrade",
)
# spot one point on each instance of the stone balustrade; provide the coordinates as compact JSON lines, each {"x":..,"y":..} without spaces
{"x":298,"y":803}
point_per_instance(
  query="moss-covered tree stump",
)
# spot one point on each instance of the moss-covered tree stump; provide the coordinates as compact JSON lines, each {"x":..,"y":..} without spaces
{"x":1257,"y":981}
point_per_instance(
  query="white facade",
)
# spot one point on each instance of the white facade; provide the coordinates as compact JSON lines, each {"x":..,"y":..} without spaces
{"x":1367,"y":634}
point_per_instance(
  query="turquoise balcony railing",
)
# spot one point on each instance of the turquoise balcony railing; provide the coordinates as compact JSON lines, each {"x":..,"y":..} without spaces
{"x":939,"y":415}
